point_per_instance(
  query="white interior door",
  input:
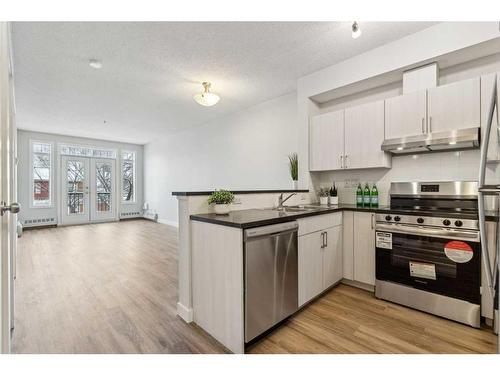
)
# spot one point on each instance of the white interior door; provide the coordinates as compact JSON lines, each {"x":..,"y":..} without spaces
{"x":8,"y":209}
{"x":75,"y":190}
{"x":102,"y":189}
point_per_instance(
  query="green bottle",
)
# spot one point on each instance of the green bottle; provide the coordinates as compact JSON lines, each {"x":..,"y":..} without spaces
{"x":359,"y":196}
{"x":366,"y":196}
{"x":374,"y":196}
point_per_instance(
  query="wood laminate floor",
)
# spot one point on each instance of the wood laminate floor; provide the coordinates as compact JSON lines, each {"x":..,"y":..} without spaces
{"x":112,"y":288}
{"x":101,"y":288}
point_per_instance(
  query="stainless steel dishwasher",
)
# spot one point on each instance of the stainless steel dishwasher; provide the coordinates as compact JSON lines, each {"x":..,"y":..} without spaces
{"x":271,"y":276}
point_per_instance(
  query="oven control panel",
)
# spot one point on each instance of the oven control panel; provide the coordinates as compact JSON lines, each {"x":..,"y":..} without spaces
{"x":428,"y":221}
{"x":429,"y":188}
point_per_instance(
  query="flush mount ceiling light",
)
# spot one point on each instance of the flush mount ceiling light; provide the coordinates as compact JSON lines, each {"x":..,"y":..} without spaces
{"x":206,"y":98}
{"x":96,"y":64}
{"x":356,"y":31}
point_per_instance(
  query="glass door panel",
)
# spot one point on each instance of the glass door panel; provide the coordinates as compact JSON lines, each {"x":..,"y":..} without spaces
{"x":103,"y":189}
{"x":103,"y":186}
{"x":75,"y":179}
{"x":76,"y":190}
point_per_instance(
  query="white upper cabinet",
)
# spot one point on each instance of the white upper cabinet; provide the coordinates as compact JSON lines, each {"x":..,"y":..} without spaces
{"x":326,"y":141}
{"x":454,"y":106}
{"x":364,"y":134}
{"x":406,"y":115}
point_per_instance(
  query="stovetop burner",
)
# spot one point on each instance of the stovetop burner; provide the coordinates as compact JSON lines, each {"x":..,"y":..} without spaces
{"x":445,"y":201}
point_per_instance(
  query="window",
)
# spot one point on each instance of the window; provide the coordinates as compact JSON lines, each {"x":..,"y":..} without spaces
{"x":128,"y":177}
{"x":92,"y":152}
{"x":41,"y":176}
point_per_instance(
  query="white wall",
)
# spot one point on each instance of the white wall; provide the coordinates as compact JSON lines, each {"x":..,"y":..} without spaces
{"x":243,"y":151}
{"x":24,"y":172}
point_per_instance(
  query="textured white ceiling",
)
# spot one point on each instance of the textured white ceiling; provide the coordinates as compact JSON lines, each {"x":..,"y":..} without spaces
{"x":151,"y":70}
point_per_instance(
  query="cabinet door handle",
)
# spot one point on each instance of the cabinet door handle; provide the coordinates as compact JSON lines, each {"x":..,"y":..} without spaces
{"x":326,"y":239}
{"x":322,"y":239}
{"x":372,"y":221}
{"x":430,"y":124}
{"x":341,"y":161}
{"x":345,"y":164}
{"x":423,"y":125}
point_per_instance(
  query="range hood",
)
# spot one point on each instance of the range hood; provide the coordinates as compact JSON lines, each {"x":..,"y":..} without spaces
{"x":437,"y":141}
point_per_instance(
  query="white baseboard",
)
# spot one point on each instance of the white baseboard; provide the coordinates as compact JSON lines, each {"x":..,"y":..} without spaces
{"x":185,"y":313}
{"x":169,"y":222}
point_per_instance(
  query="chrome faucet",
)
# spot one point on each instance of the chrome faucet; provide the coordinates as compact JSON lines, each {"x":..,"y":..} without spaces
{"x":281,"y":200}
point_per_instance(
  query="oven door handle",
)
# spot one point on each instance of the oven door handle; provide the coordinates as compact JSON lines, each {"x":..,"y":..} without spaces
{"x":472,"y":236}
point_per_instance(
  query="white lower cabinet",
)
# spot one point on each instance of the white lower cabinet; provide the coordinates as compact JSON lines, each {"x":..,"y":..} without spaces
{"x":332,"y":257}
{"x":364,"y":247}
{"x":310,"y":260}
{"x":348,"y":245}
{"x":319,"y":255}
{"x":359,"y":247}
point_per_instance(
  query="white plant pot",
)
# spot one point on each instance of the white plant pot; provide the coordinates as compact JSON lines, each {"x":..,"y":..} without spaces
{"x":222,"y":209}
{"x":323,"y":200}
{"x":295,"y":185}
{"x":334,"y":200}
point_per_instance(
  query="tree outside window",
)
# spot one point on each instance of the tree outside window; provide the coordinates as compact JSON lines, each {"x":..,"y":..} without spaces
{"x":128,"y":176}
{"x":41,"y":162}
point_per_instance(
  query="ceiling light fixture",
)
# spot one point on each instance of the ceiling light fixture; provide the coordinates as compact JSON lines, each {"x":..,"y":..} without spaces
{"x":96,"y":64}
{"x":356,"y":30}
{"x":206,"y":98}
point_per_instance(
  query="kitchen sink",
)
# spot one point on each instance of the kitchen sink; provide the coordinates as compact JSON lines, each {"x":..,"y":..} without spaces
{"x":296,"y":208}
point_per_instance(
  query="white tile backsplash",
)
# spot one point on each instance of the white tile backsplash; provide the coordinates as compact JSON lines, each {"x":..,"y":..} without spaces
{"x":439,"y":166}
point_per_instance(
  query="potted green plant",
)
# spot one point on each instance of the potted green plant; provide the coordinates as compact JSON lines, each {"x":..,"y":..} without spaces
{"x":221,"y":199}
{"x":323,"y":195}
{"x":294,"y":169}
{"x":333,"y":195}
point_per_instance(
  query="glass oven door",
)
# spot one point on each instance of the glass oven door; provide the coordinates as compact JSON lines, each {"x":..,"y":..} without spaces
{"x":422,"y":258}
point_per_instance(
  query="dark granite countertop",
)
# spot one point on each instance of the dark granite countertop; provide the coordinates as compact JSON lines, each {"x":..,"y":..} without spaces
{"x":193,"y":193}
{"x":261,"y":216}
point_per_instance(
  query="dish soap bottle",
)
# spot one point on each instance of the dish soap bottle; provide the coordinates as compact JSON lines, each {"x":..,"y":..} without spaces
{"x":359,"y":196}
{"x":374,"y":196}
{"x":366,"y":196}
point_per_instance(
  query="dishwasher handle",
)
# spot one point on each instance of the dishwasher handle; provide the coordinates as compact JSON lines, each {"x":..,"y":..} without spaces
{"x":291,"y":226}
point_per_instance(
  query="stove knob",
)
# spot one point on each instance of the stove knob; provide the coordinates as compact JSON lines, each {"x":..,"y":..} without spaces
{"x":458,"y":223}
{"x":397,"y":218}
{"x":388,"y":217}
{"x":446,"y":222}
{"x":420,"y":220}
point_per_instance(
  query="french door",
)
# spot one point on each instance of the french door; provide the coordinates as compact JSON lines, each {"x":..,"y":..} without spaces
{"x":102,"y":191}
{"x":88,"y":189}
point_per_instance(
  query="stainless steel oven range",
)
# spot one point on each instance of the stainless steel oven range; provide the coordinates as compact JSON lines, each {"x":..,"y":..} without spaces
{"x":428,"y":253}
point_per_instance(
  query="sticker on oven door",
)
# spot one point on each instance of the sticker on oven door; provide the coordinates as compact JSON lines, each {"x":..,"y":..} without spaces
{"x":423,"y":270}
{"x":458,"y":251}
{"x":384,"y":240}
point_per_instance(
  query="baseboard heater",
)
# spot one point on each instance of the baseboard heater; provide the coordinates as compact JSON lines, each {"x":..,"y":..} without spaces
{"x":27,"y":223}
